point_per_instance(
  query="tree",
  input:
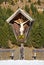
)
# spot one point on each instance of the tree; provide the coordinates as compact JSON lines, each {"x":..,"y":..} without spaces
{"x":16,"y":0}
{"x":21,"y":0}
{"x":26,"y":8}
{"x":43,"y":11}
{"x":29,"y":0}
{"x":33,"y":8}
{"x":39,"y":3}
{"x":37,"y":32}
{"x":1,"y":1}
{"x":4,"y":27}
{"x":9,"y":1}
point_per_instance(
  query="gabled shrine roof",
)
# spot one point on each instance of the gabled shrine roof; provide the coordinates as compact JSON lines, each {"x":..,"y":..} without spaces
{"x":25,"y":14}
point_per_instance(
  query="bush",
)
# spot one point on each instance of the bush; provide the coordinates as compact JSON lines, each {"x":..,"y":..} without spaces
{"x":39,"y":3}
{"x":9,"y":1}
{"x":1,"y":1}
{"x":21,"y":0}
{"x":37,"y":33}
{"x":26,"y":8}
{"x":33,"y":8}
{"x":16,"y":0}
{"x":4,"y":27}
{"x":29,"y":0}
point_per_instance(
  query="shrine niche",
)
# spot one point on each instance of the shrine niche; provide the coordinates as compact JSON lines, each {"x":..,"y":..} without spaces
{"x":21,"y":23}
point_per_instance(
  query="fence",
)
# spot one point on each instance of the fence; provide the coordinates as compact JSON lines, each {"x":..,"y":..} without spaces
{"x":6,"y":53}
{"x":39,"y":53}
{"x":29,"y":54}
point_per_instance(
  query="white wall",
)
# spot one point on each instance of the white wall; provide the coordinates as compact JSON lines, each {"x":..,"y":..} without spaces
{"x":21,"y":62}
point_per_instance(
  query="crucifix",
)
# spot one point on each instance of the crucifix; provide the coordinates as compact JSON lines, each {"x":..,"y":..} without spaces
{"x":21,"y":25}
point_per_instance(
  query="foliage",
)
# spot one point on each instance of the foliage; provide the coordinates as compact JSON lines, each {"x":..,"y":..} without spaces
{"x":9,"y":1}
{"x":16,"y":0}
{"x":37,"y":33}
{"x":26,"y":8}
{"x":39,"y":3}
{"x":29,"y":0}
{"x":21,"y":0}
{"x":33,"y":8}
{"x":4,"y":27}
{"x":4,"y":14}
{"x":1,"y":1}
{"x":43,"y":11}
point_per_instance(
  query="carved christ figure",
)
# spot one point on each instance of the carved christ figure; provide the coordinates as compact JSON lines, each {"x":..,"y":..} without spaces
{"x":21,"y":25}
